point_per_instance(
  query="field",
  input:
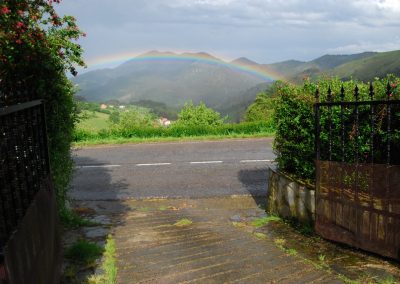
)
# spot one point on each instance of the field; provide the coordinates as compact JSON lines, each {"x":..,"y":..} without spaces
{"x":138,"y":125}
{"x":94,"y":122}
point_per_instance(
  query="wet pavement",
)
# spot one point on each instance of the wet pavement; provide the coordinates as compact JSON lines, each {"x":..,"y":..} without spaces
{"x":178,"y":222}
{"x":223,"y":241}
{"x":153,"y":248}
{"x":173,"y":170}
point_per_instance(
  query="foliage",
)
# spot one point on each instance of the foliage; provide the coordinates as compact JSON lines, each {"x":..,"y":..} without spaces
{"x":133,"y":118}
{"x":259,"y":222}
{"x":135,"y":122}
{"x":72,"y":220}
{"x":158,"y":108}
{"x":114,"y":117}
{"x":93,"y":121}
{"x":176,"y":130}
{"x":262,"y":109}
{"x":183,"y":222}
{"x":201,"y":115}
{"x":83,"y":252}
{"x":37,"y":48}
{"x":294,"y":120}
{"x":109,"y":265}
{"x":89,"y":106}
{"x":295,"y":125}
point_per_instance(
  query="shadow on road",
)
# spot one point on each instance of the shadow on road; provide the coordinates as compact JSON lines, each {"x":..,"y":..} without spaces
{"x":256,"y":183}
{"x":97,"y":181}
{"x":98,"y":202}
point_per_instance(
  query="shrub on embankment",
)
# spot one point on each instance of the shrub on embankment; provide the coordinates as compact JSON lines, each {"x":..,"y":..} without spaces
{"x":295,"y":123}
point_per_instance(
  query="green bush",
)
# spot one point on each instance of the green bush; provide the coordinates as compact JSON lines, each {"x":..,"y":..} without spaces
{"x":295,"y":124}
{"x":191,"y":115}
{"x":294,"y":138}
{"x":37,"y":49}
{"x":84,"y":252}
{"x":262,"y":109}
{"x":133,"y":118}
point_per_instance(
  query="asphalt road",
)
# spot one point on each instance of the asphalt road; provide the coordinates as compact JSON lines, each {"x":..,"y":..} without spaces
{"x":188,"y":170}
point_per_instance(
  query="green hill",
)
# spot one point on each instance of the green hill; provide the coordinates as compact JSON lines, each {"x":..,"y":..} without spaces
{"x":295,"y":71}
{"x":165,"y":85}
{"x":327,"y":62}
{"x":174,"y":79}
{"x":235,"y":108}
{"x":366,"y":69}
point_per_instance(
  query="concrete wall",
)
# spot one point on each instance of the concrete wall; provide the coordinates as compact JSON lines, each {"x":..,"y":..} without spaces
{"x":290,"y":199}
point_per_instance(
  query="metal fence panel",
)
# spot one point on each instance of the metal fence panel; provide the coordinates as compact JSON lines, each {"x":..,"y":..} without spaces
{"x":358,"y":173}
{"x":25,"y":185}
{"x":23,"y":162}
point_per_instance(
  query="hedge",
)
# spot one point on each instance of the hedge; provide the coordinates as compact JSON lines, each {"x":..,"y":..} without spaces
{"x":295,"y":124}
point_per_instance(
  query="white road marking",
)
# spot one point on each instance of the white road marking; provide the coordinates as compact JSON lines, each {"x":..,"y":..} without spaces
{"x":153,"y":164}
{"x":98,"y":166}
{"x":166,"y":164}
{"x":207,"y":162}
{"x":255,"y":161}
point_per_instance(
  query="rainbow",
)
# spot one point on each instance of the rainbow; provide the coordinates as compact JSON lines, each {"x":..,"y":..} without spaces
{"x":258,"y":71}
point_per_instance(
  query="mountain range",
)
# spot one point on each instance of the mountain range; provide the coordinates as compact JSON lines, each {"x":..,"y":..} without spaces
{"x":228,"y":87}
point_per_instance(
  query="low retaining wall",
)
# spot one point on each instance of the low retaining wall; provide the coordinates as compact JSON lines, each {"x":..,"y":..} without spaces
{"x":290,"y":199}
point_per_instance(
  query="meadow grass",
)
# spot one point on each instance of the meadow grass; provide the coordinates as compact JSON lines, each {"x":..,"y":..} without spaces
{"x":94,"y":122}
{"x":174,"y":133}
{"x":135,"y":140}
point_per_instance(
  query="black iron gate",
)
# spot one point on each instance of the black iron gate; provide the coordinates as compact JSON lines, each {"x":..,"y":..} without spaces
{"x":29,"y":242}
{"x":358,"y":171}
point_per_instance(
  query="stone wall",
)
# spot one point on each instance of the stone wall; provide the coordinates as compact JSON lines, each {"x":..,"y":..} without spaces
{"x":290,"y":199}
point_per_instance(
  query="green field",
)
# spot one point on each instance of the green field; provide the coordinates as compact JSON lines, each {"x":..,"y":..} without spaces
{"x":94,"y":129}
{"x":94,"y":122}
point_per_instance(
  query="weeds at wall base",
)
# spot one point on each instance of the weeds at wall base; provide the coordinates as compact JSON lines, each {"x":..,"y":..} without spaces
{"x":72,"y":220}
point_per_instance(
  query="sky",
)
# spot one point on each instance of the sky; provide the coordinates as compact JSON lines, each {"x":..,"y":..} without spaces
{"x":265,"y":31}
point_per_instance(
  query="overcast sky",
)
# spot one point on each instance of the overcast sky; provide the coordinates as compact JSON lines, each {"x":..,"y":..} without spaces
{"x":262,"y":30}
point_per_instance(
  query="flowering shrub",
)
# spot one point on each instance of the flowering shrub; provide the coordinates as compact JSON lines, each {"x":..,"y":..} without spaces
{"x":37,"y":49}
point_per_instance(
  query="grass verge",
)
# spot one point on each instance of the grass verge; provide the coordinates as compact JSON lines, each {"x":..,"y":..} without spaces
{"x":136,"y":140}
{"x":109,"y":265}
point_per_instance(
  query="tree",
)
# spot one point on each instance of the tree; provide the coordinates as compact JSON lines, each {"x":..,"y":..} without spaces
{"x":135,"y":118}
{"x":262,"y":109}
{"x":114,"y":117}
{"x":201,"y":115}
{"x":37,"y":49}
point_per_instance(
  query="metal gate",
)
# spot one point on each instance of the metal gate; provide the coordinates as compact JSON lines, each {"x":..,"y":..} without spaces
{"x":29,"y":239}
{"x":358,"y":171}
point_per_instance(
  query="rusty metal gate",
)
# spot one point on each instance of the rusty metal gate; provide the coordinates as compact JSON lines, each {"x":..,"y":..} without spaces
{"x":29,"y":240}
{"x":358,"y":170}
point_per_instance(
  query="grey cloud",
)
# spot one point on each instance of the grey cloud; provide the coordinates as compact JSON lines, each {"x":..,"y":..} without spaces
{"x":263,"y":30}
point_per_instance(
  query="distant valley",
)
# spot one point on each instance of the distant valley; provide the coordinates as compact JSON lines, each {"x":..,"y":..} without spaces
{"x":229,"y":87}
